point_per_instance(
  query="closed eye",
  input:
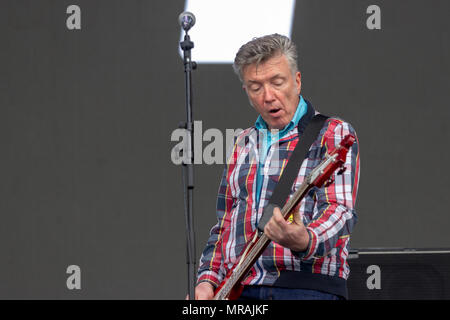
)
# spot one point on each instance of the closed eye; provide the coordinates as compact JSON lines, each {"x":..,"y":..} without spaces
{"x":278,"y":81}
{"x":254,"y":87}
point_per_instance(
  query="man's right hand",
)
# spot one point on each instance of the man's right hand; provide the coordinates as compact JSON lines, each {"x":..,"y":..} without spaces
{"x":204,"y":291}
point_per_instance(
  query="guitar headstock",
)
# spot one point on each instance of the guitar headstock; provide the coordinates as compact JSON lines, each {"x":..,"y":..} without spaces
{"x":322,"y":174}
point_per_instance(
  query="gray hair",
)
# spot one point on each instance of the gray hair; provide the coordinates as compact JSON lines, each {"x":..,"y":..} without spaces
{"x":263,"y":48}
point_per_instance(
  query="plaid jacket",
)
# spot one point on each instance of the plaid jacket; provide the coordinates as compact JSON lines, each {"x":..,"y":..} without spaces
{"x":328,"y":212}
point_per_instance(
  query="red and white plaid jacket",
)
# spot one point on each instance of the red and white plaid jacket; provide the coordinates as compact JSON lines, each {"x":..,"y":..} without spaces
{"x":328,"y":212}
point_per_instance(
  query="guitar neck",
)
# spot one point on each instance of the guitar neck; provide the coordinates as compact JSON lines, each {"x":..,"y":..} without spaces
{"x":295,"y":199}
{"x":260,"y":243}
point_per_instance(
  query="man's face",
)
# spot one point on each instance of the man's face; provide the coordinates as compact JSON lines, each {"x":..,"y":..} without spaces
{"x":273,"y":90}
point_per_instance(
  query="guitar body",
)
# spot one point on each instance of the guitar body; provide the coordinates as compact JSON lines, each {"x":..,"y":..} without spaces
{"x":235,"y":292}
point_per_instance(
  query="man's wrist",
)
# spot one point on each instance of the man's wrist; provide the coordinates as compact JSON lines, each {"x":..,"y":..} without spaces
{"x":305,"y":242}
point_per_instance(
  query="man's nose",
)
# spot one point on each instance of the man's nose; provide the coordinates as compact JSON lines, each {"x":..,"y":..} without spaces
{"x":269,"y":95}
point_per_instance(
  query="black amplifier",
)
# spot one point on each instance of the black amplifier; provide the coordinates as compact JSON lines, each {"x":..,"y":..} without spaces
{"x":399,"y":273}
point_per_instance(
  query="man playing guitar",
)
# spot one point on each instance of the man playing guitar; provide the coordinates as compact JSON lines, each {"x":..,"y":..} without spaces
{"x":307,"y":255}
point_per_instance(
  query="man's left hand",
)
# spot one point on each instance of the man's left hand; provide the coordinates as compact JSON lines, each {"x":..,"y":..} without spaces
{"x":290,"y":235}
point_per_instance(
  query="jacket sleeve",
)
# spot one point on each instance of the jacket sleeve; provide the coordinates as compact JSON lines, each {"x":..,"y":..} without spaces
{"x":334,"y":214}
{"x":210,"y":266}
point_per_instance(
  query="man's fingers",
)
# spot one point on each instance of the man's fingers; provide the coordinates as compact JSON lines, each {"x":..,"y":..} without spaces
{"x":283,"y":233}
{"x":204,"y":291}
{"x":275,"y":226}
{"x":278,"y":217}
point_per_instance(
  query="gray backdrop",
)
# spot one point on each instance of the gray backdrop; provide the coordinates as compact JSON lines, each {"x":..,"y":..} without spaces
{"x":86,"y":117}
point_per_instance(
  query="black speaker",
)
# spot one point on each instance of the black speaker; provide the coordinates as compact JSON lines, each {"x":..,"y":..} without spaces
{"x":411,"y":274}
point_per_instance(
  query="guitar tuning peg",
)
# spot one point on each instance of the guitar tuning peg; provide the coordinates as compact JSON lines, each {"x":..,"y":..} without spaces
{"x":341,"y":171}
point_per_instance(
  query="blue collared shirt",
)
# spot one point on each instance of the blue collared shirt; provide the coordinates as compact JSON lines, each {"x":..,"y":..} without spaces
{"x":270,"y":138}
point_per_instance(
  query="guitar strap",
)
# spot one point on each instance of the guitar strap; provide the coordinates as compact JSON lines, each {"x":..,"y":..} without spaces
{"x":290,"y":173}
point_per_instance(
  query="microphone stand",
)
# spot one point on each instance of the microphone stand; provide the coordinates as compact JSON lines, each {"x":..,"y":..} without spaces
{"x":188,"y":167}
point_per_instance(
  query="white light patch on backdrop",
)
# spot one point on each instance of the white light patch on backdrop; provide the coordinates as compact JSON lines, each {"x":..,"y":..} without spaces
{"x":223,"y":26}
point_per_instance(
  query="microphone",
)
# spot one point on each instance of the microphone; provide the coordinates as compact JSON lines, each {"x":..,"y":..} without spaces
{"x":186,"y":20}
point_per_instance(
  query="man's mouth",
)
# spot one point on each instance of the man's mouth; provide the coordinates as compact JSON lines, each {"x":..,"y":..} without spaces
{"x":274,"y":111}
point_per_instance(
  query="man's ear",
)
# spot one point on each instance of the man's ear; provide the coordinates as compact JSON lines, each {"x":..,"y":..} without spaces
{"x":298,"y":80}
